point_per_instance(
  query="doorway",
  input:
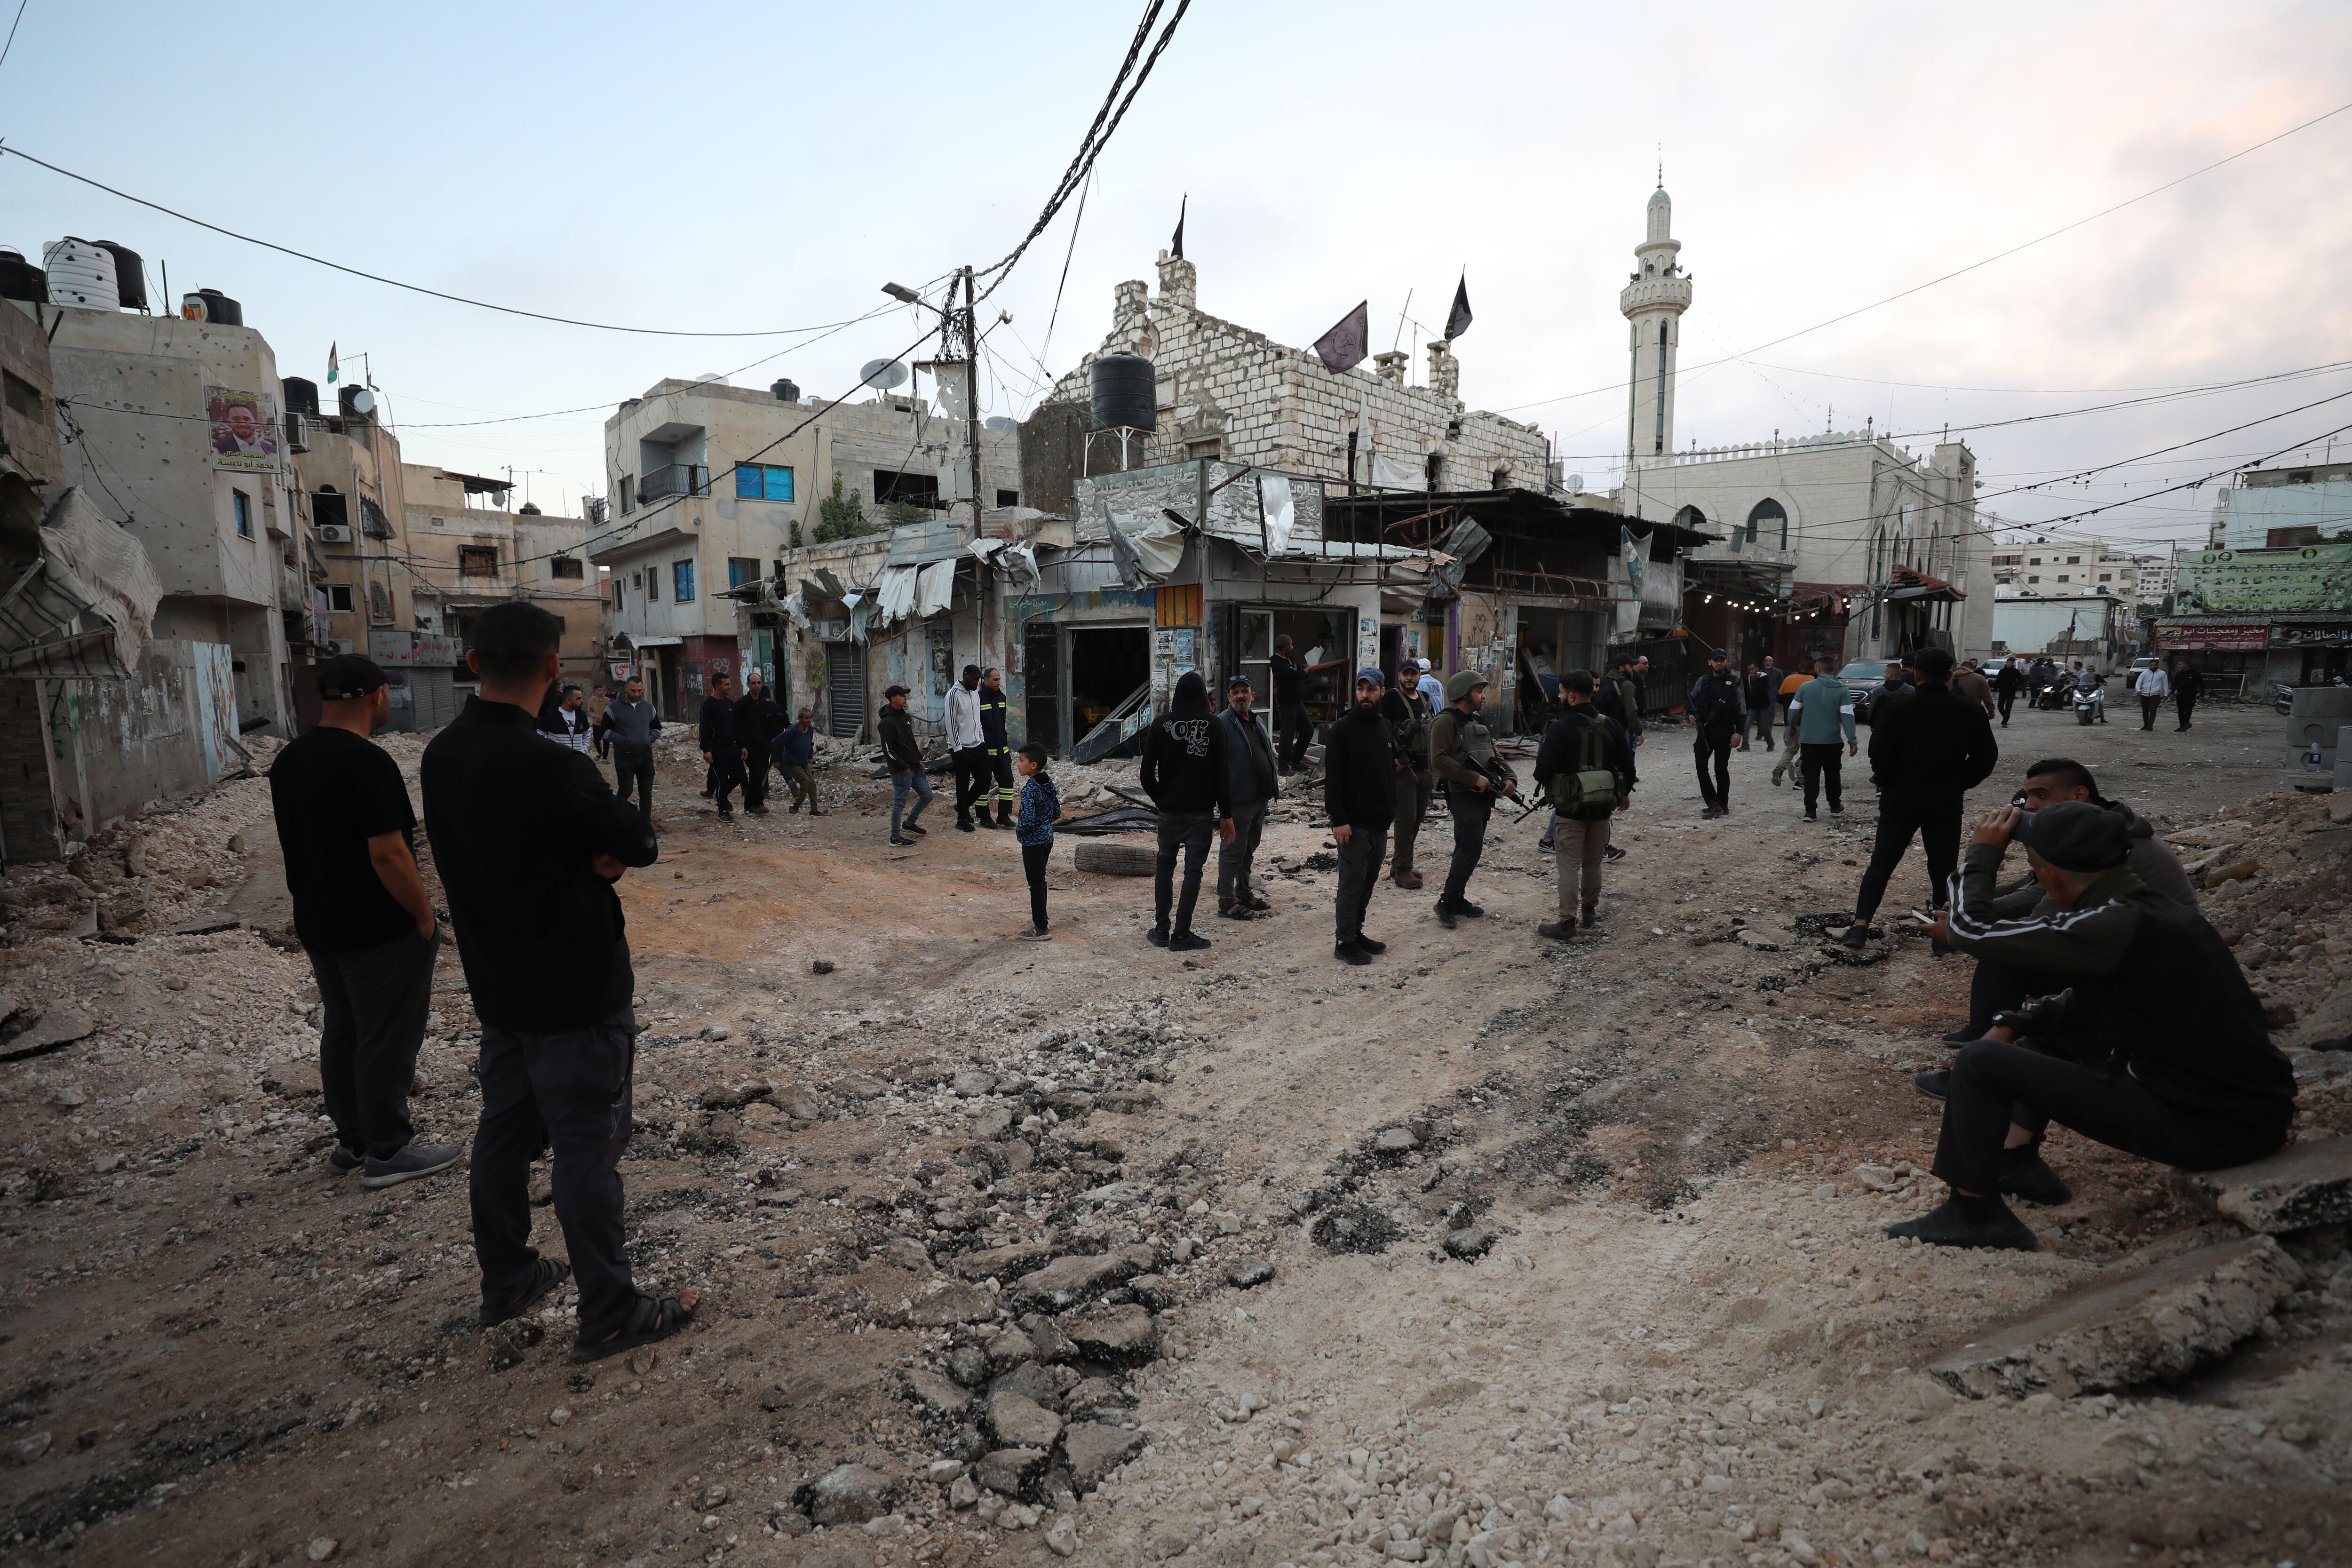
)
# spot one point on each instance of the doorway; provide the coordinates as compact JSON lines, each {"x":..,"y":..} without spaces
{"x":1106,"y":664}
{"x":1041,"y":684}
{"x":845,"y":691}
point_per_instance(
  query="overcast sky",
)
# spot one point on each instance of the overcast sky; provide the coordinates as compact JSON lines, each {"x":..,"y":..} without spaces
{"x":738,"y":167}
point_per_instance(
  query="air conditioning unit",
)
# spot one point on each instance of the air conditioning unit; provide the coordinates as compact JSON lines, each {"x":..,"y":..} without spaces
{"x":334,"y":534}
{"x":335,"y":646}
{"x":297,"y":433}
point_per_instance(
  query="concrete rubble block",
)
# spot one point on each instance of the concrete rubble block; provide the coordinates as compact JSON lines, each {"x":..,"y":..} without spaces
{"x":1395,"y":1141}
{"x":1096,"y":1448}
{"x":61,"y":1026}
{"x":1095,"y":1397}
{"x":1019,"y":1422}
{"x":858,"y":1085}
{"x":2302,"y":1185}
{"x":1007,"y":1470}
{"x":1116,"y":1333}
{"x":293,"y":1077}
{"x":932,"y":1392}
{"x":971,"y":1083}
{"x":1052,"y":1344}
{"x":1066,"y":1282}
{"x":1034,"y":1380}
{"x":952,"y":1302}
{"x":991,"y":1123}
{"x":2156,"y":1320}
{"x":1004,"y":1262}
{"x":848,"y":1494}
{"x":1010,"y":1349}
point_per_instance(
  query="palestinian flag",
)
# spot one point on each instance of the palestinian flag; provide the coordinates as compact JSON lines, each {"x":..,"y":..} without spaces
{"x":334,"y":365}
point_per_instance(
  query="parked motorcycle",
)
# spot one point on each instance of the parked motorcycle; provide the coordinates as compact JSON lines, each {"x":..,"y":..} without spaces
{"x":2282,"y":697}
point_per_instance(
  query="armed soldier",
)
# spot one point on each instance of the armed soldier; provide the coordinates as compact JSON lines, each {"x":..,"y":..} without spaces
{"x":1462,"y":753}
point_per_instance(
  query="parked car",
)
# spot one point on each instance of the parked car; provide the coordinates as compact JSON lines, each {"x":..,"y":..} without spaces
{"x":1865,"y":678}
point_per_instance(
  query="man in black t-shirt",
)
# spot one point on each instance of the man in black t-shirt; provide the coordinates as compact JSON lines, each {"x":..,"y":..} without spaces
{"x":1292,"y":726}
{"x":348,"y":833}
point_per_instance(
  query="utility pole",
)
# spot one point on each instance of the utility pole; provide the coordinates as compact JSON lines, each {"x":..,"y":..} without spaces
{"x":981,"y":576}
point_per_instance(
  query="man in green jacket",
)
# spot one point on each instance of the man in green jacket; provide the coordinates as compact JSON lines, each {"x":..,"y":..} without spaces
{"x":1820,"y":710}
{"x":903,"y":755}
{"x":1461,"y":755}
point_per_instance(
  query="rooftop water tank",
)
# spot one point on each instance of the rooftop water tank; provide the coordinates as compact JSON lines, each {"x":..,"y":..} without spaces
{"x":301,"y":395}
{"x":212,"y":305}
{"x":80,"y":274}
{"x":529,"y":509}
{"x":130,"y":274}
{"x":999,"y":421}
{"x":1122,"y":391}
{"x":786,"y":390}
{"x":20,"y":279}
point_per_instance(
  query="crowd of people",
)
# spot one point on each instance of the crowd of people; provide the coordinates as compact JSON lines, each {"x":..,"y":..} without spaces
{"x":2101,"y":1000}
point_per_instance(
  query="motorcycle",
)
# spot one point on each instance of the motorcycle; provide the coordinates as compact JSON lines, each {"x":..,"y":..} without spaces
{"x":2282,"y":697}
{"x":2053,"y":693}
{"x":2087,"y":705}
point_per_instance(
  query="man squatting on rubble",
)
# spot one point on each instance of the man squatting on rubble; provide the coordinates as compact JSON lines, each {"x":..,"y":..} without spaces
{"x":360,"y":911}
{"x":1361,"y":769}
{"x":2156,"y":1047}
{"x":529,"y":843}
{"x":1184,"y":772}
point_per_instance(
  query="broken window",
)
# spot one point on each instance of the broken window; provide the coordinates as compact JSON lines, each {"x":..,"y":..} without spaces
{"x":23,"y":397}
{"x":478,"y":561}
{"x":569,"y":567}
{"x":339,"y":598}
{"x":329,"y":510}
{"x":1008,"y":498}
{"x":921,"y":490}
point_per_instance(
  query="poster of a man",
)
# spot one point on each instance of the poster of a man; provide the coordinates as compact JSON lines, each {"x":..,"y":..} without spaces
{"x":244,"y":429}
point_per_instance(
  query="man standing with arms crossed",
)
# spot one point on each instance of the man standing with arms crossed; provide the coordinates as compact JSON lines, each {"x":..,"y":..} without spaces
{"x":633,"y":725}
{"x":528,"y":844}
{"x":360,"y":911}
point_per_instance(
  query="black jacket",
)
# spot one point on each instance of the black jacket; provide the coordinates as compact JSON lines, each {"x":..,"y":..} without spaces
{"x":719,"y":734}
{"x":1359,"y":771}
{"x":2008,"y":679}
{"x":1249,"y":774}
{"x":2188,"y":683}
{"x":1563,"y":742}
{"x":1760,"y":689}
{"x":1718,"y":702}
{"x":1184,"y":762}
{"x":758,"y":721}
{"x":1930,"y":745}
{"x":896,"y":729}
{"x":993,"y":733}
{"x":513,"y":823}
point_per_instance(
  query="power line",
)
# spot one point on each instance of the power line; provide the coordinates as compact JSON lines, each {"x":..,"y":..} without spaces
{"x":12,"y":31}
{"x":1972,"y":266}
{"x":413,"y":288}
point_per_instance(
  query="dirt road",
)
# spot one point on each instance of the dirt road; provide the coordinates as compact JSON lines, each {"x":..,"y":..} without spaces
{"x":1495,"y":1252}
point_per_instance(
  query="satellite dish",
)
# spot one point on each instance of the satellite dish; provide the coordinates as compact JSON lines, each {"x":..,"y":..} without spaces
{"x":1576,"y":483}
{"x":364,"y":400}
{"x":885,"y":373}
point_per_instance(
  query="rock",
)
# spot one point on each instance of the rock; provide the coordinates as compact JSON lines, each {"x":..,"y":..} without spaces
{"x":1093,"y":1398}
{"x":1010,"y":1349}
{"x":717,"y":1032}
{"x":1004,"y":1262}
{"x":858,"y":1085}
{"x":1062,"y":1537}
{"x":25,"y":1451}
{"x":1470,"y":1241}
{"x":1052,"y":1344}
{"x":962,"y":1492}
{"x":906,"y":1252}
{"x":1007,"y":1470}
{"x":322,"y":1547}
{"x":991,"y":1123}
{"x":557,"y":1417}
{"x":968,"y":1365}
{"x":1034,"y":1381}
{"x":821,"y":966}
{"x":1096,"y":1449}
{"x":720,"y":1099}
{"x":848,"y":1494}
{"x":1126,"y":1101}
{"x":932,"y":1392}
{"x":801,"y":1107}
{"x":1118,"y":1334}
{"x":59,"y":1027}
{"x":68,"y":1097}
{"x":1395,"y":1141}
{"x":952,"y":1302}
{"x":1153,"y":1290}
{"x":971,"y":1083}
{"x":293,"y":1077}
{"x":1019,"y":1422}
{"x":1066,"y":1282}
{"x":1248,"y":1273}
{"x":642,"y":1361}
{"x":2303,"y":1185}
{"x":2155,"y":1321}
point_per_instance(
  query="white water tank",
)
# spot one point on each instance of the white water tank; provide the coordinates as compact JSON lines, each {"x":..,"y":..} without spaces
{"x":80,"y":275}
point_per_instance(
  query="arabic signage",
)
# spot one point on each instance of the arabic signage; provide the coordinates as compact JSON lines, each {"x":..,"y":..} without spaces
{"x":2246,"y":638}
{"x":2297,"y":578}
{"x":402,"y":650}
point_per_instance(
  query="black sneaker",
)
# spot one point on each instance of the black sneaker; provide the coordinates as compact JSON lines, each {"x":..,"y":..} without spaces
{"x":1935,"y":1084}
{"x":1157,"y":936}
{"x":2025,"y":1174}
{"x":1855,"y":936}
{"x":414,"y":1161}
{"x":1947,"y":1226}
{"x":917,"y":831}
{"x":1445,"y":914}
{"x":344,"y":1161}
{"x":1963,"y":1035}
{"x":1368,"y":945}
{"x":1837,"y":811}
{"x":1810,"y":817}
{"x":725,"y":815}
{"x":1543,"y":844}
{"x":1186,"y":941}
{"x":1613,"y":853}
{"x":1350,"y":953}
{"x":963,"y":825}
{"x":902,"y":844}
{"x":1467,"y":910}
{"x":1558,"y":931}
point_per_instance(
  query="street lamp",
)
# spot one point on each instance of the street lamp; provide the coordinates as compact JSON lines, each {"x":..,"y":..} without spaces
{"x":901,"y":292}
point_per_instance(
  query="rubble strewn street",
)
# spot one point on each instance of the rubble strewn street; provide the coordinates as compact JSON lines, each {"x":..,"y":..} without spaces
{"x":1498,"y":1252}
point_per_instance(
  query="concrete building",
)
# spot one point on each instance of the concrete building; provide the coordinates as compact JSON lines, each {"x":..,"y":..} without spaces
{"x":351,"y":483}
{"x":2066,"y":567}
{"x":2270,"y":507}
{"x":2096,"y":628}
{"x":462,"y":551}
{"x":1842,"y":542}
{"x":2277,"y":615}
{"x":713,"y":485}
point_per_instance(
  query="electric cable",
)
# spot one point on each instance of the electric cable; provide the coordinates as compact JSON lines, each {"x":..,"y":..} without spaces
{"x":12,"y":31}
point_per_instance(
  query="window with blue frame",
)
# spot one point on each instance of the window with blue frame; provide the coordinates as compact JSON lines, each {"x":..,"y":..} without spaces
{"x":762,"y":481}
{"x":742,"y":569}
{"x":681,"y":581}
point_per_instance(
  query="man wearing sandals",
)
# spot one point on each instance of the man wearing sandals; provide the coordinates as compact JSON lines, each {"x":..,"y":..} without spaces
{"x":529,"y":842}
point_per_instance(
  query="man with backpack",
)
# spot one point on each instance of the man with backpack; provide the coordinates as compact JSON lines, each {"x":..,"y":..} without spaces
{"x":1585,"y":768}
{"x":1409,"y":714}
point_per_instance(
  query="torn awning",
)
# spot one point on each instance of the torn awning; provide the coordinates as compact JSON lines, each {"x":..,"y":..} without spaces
{"x":1911,"y":584}
{"x":83,"y":606}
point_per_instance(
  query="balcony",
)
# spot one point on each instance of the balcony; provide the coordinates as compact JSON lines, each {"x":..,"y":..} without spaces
{"x":675,"y":479}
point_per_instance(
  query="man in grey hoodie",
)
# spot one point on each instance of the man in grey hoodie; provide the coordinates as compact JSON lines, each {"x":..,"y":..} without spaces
{"x":632,"y":724}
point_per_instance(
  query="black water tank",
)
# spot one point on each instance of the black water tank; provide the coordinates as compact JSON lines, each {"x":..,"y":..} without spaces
{"x":528,"y":509}
{"x":130,"y":274}
{"x":786,"y":390}
{"x":301,"y":395}
{"x":1121,"y":391}
{"x":220,"y":310}
{"x":345,"y":399}
{"x":20,"y":279}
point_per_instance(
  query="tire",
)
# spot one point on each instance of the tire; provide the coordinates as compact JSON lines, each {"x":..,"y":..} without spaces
{"x":1111,"y":860}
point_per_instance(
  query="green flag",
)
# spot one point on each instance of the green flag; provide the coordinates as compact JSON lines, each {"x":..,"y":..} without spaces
{"x":334,"y":365}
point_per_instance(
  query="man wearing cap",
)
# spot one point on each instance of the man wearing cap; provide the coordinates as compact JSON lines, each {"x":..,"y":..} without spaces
{"x":2158,"y":1048}
{"x":904,"y":757}
{"x":1252,"y":783}
{"x":1718,"y":711}
{"x":1461,"y":755}
{"x":1360,"y":765}
{"x":967,"y":744}
{"x":1430,"y":687}
{"x":348,"y":833}
{"x":1410,"y":715}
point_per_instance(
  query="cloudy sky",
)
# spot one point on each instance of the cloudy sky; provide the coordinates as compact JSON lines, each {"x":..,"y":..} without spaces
{"x":749,"y":167}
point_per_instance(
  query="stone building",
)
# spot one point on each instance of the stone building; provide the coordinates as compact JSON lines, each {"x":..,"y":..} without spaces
{"x":712,"y":486}
{"x":2070,"y":564}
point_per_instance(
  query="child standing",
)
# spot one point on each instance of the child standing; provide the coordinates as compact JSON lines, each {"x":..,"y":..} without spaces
{"x":1041,"y":807}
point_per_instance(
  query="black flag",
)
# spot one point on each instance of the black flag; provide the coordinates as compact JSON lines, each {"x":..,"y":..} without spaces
{"x":1342,"y":348}
{"x":1176,"y":247}
{"x":1457,"y":319}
